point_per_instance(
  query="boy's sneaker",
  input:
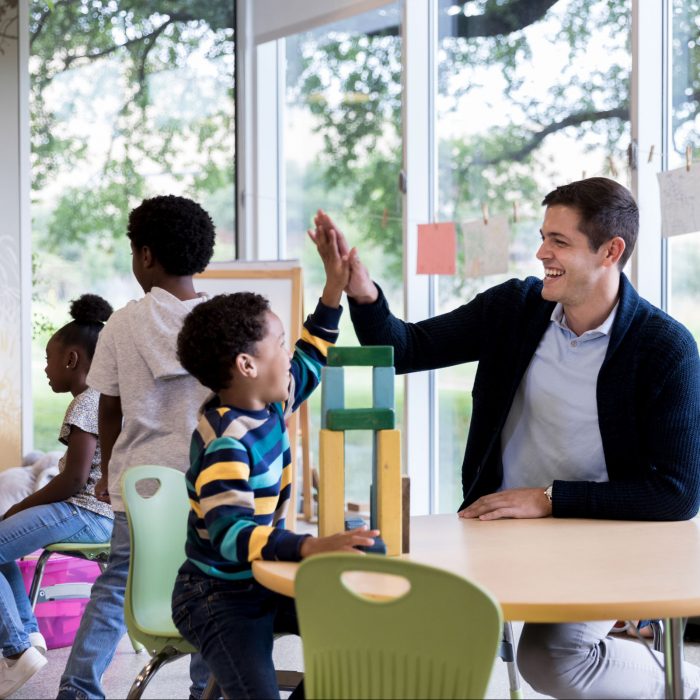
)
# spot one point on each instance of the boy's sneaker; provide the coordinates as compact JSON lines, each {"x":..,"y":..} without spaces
{"x":36,"y":639}
{"x":14,"y":674}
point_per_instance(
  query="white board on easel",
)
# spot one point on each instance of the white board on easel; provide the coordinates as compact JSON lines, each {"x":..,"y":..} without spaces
{"x":280,"y":281}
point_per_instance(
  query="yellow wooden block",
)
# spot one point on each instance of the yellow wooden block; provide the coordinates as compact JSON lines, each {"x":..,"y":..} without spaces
{"x":331,"y":482}
{"x":389,"y":489}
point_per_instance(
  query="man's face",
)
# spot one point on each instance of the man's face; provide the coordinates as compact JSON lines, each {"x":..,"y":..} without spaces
{"x":272,"y":358}
{"x":572,"y":271}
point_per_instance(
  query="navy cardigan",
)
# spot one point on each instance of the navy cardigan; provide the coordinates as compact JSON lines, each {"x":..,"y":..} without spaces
{"x":648,"y":395}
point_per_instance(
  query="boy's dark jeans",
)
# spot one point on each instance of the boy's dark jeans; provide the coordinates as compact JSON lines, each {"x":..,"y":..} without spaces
{"x":232,"y":624}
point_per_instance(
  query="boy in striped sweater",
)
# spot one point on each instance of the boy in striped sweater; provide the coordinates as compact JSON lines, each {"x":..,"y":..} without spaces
{"x":240,"y":474}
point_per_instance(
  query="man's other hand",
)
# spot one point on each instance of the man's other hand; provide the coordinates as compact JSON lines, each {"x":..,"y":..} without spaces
{"x":512,"y":503}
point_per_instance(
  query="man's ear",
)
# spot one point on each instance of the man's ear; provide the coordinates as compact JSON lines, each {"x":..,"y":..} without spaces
{"x":614,"y":248}
{"x":245,"y":365}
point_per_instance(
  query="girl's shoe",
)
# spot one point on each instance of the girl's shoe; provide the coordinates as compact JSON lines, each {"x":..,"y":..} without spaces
{"x":14,"y":674}
{"x":36,"y":639}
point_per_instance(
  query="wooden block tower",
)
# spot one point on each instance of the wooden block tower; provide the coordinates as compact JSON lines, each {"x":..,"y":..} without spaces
{"x":385,"y":493}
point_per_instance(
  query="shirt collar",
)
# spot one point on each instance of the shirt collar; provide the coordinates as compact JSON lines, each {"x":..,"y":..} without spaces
{"x":559,"y":319}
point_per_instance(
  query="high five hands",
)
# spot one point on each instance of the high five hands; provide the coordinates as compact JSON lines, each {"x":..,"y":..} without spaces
{"x":332,"y":246}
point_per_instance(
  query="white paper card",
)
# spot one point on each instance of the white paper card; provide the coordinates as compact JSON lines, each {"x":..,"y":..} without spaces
{"x":680,"y":201}
{"x":486,"y":246}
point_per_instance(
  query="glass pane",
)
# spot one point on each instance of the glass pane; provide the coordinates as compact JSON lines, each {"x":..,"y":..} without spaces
{"x":342,"y":149}
{"x":684,"y":251}
{"x":128,"y":100}
{"x":526,"y":102}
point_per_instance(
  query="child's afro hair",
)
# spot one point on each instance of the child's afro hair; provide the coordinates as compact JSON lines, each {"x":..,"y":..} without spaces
{"x":178,"y":231}
{"x":216,"y":331}
{"x":89,"y":312}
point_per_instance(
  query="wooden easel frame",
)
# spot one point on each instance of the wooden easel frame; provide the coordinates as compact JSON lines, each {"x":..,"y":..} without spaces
{"x":260,"y":276}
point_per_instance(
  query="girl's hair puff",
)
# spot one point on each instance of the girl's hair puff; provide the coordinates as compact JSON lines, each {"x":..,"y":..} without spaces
{"x":89,"y":312}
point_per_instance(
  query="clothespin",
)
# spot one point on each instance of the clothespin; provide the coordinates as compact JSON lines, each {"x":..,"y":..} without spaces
{"x":485,"y":213}
{"x":583,"y":174}
{"x":651,"y":153}
{"x":611,"y":166}
{"x":688,"y":157}
{"x":515,"y":211}
{"x":385,"y":217}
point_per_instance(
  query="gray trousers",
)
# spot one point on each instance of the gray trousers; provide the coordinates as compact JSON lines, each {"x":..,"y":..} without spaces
{"x":580,"y":660}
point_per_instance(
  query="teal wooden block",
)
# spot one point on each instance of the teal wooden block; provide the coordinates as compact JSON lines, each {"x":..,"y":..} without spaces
{"x":368,"y":356}
{"x":360,"y":419}
{"x":332,"y":391}
{"x":383,"y":387}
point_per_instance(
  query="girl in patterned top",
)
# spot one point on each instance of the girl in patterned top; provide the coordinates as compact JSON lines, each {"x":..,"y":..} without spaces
{"x":66,"y":509}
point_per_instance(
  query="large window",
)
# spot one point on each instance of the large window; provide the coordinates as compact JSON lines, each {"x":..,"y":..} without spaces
{"x":128,"y":100}
{"x":342,"y":153}
{"x":527,"y":100}
{"x":684,"y":123}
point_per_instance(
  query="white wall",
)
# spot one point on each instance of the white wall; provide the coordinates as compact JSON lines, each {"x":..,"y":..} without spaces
{"x":15,"y":266}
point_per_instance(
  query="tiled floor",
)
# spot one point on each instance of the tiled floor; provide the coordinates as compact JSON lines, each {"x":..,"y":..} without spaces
{"x":173,"y":680}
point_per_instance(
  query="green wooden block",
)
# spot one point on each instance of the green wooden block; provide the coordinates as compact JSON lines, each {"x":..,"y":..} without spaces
{"x":367,"y":356}
{"x":360,"y":419}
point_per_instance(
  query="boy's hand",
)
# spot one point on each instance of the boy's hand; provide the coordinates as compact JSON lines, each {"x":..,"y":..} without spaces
{"x":359,"y":285}
{"x":336,"y":265}
{"x":101,"y":490}
{"x":340,"y":542}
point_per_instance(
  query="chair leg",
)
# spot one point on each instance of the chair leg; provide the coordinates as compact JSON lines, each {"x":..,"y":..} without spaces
{"x":150,"y":669}
{"x":38,"y":577}
{"x":507,"y":653}
{"x":212,"y":690}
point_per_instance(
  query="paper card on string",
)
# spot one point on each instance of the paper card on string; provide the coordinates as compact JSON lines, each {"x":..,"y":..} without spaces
{"x":486,"y":246}
{"x":437,"y":249}
{"x":680,"y":201}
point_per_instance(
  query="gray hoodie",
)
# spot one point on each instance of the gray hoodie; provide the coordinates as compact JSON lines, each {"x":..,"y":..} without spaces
{"x":136,"y":359}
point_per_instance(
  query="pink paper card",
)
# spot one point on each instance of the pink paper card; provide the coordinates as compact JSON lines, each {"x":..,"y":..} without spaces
{"x":437,"y":249}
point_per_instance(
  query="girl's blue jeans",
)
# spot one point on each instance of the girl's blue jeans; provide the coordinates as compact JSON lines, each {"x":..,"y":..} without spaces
{"x":233,"y":623}
{"x":23,"y":533}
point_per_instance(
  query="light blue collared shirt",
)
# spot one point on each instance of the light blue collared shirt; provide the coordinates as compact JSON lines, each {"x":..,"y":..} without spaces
{"x":552,"y":429}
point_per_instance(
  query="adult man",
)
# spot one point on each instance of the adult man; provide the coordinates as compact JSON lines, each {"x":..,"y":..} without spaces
{"x":586,"y":403}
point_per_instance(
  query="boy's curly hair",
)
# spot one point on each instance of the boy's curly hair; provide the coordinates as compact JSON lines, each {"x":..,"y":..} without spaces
{"x":90,"y":312}
{"x":216,"y":331}
{"x":178,"y":231}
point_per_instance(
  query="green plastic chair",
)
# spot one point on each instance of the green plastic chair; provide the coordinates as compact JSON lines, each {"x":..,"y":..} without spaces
{"x":157,"y":529}
{"x":438,"y":640}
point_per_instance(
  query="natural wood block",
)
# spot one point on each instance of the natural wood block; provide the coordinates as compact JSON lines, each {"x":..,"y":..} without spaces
{"x":389,"y":499}
{"x":331,"y":482}
{"x":367,"y":356}
{"x":360,"y":419}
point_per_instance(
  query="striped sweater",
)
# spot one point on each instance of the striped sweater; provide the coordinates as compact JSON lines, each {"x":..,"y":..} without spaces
{"x":240,"y":473}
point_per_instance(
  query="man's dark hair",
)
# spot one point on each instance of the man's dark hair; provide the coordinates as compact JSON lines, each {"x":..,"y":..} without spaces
{"x":178,"y":231}
{"x":607,"y":210}
{"x":216,"y":331}
{"x":90,"y":313}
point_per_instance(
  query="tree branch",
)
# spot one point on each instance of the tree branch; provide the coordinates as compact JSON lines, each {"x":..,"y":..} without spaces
{"x":536,"y":139}
{"x":499,"y":19}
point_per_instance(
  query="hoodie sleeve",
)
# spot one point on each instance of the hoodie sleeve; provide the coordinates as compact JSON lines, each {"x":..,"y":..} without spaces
{"x":104,"y":375}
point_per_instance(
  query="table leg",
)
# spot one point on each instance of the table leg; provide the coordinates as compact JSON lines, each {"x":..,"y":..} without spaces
{"x":673,"y":652}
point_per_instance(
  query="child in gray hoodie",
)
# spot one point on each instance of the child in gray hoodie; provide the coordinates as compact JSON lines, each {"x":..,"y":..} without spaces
{"x":147,"y":412}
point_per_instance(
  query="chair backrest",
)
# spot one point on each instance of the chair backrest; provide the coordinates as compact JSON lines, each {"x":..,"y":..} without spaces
{"x":439,"y":640}
{"x":158,"y":530}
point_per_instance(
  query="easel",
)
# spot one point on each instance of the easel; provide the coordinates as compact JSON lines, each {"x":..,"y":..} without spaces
{"x":281,"y":282}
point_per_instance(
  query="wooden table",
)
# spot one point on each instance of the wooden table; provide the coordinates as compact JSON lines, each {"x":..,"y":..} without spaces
{"x":560,"y":570}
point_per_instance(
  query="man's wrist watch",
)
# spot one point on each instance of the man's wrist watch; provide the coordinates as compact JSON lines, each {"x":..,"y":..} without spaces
{"x":548,"y":492}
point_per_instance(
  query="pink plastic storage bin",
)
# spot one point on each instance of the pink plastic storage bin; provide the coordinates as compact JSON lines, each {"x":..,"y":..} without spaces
{"x":59,"y":619}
